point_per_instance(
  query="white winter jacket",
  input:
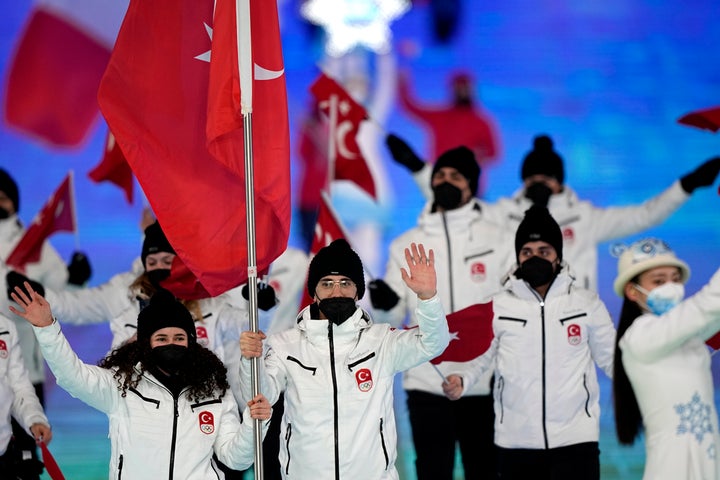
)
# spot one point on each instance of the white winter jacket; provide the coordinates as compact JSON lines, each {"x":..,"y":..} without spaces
{"x":339,"y":420}
{"x":669,"y":367}
{"x":152,"y":435}
{"x":471,"y":256}
{"x":544,"y":352}
{"x":17,"y":394}
{"x":218,"y":329}
{"x":50,"y":271}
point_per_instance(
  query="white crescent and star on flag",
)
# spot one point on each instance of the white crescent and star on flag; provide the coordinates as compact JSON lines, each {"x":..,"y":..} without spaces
{"x":260,"y":73}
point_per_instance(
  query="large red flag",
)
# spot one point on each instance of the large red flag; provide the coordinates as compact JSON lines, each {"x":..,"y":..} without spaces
{"x":708,"y":118}
{"x":154,"y":96}
{"x":328,"y":228}
{"x":58,"y":215}
{"x":114,"y":168}
{"x":470,"y":333}
{"x":60,"y":57}
{"x":349,"y":163}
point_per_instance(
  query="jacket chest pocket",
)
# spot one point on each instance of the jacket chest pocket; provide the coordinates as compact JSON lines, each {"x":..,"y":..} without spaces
{"x":148,"y":415}
{"x":574,"y":329}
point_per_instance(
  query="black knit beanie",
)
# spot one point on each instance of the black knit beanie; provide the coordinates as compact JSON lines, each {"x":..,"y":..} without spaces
{"x":338,"y":258}
{"x":539,"y":225}
{"x":164,"y":311}
{"x":463,"y":160}
{"x":543,"y":160}
{"x":8,"y":185}
{"x":155,"y":241}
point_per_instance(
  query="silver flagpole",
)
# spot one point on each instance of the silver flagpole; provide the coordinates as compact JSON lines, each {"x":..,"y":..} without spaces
{"x":245,"y":71}
{"x":252,"y":278}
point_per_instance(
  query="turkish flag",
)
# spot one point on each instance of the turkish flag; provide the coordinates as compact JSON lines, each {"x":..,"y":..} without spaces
{"x":114,"y":168}
{"x":51,"y":466}
{"x":328,"y":228}
{"x":183,"y":283}
{"x":708,"y":118}
{"x":345,"y":116}
{"x":155,"y":98}
{"x":470,"y":333}
{"x":59,"y":59}
{"x":714,"y":341}
{"x":58,"y":215}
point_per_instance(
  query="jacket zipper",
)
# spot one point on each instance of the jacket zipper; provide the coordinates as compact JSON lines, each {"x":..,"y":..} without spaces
{"x":335,"y":400}
{"x":544,"y":379}
{"x":120,"y":465}
{"x":293,"y":359}
{"x":501,"y":388}
{"x":174,"y":438}
{"x":587,"y":398}
{"x":288,"y":434}
{"x":382,"y":442}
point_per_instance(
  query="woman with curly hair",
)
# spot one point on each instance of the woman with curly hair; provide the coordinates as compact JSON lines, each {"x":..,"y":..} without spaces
{"x":167,"y":397}
{"x":662,"y":381}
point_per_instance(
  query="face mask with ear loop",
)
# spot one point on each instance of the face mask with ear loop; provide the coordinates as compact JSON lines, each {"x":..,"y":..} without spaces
{"x":663,"y":298}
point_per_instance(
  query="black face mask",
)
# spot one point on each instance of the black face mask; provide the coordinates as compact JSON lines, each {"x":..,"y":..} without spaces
{"x":447,"y":196}
{"x":158,"y":275}
{"x":337,"y":309}
{"x":4,"y":214}
{"x":536,"y":271}
{"x":538,"y":193}
{"x":169,"y":358}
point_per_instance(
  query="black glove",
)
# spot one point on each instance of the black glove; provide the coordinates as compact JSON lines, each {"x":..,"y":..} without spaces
{"x":265,"y":296}
{"x":382,"y":296}
{"x":16,"y":279}
{"x":702,"y":176}
{"x":403,"y":154}
{"x":79,"y":270}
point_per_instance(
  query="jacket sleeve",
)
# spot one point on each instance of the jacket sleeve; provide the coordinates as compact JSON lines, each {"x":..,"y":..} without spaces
{"x":91,"y":305}
{"x":651,"y":337}
{"x":615,"y":222}
{"x":475,"y":369}
{"x":397,"y":315}
{"x":88,"y":383}
{"x":417,"y":345}
{"x":271,"y":374}
{"x":235,"y":443}
{"x":26,"y":408}
{"x":422,"y":179}
{"x":602,"y":337}
{"x":231,"y":320}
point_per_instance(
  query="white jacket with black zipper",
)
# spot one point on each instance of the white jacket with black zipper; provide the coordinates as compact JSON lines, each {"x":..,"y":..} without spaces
{"x":154,"y":435}
{"x":544,"y":352}
{"x":339,"y":420}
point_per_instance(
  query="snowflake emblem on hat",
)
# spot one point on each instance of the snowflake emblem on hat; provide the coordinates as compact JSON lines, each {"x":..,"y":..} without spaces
{"x":694,"y":418}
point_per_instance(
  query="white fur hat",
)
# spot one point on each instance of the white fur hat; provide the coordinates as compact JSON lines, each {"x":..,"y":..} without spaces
{"x":644,"y":255}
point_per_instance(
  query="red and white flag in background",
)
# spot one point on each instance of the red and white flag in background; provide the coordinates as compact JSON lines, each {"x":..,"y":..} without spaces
{"x":328,"y":228}
{"x":57,"y":215}
{"x":114,"y":168}
{"x":708,"y":119}
{"x":155,"y":98}
{"x":345,"y":114}
{"x":53,"y":78}
{"x":470,"y":333}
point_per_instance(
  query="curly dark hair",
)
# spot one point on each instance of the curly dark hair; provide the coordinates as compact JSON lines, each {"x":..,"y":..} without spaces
{"x":628,"y":419}
{"x":205,"y":373}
